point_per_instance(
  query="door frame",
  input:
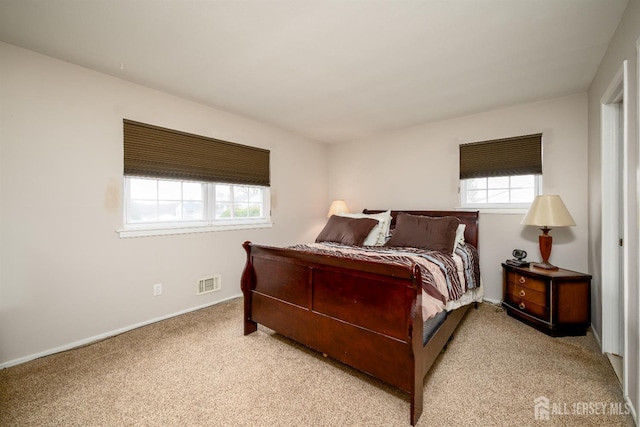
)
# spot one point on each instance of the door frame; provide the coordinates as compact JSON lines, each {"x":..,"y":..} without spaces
{"x":613,"y":287}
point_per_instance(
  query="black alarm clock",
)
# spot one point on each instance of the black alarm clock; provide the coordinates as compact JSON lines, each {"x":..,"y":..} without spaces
{"x":519,"y":256}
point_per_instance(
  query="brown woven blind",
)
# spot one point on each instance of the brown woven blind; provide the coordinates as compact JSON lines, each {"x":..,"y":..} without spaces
{"x":520,"y":155}
{"x":156,"y":152}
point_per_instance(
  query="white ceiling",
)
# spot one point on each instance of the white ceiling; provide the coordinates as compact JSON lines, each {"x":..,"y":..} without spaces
{"x":330,"y":70}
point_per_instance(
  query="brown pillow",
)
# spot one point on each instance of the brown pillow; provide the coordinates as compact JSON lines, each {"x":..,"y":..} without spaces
{"x":425,"y":232}
{"x":347,"y":231}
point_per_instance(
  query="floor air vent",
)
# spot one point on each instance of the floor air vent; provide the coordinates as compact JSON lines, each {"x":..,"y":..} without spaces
{"x":209,"y":284}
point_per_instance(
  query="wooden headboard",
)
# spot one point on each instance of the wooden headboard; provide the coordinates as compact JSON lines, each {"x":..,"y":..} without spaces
{"x":470,"y":218}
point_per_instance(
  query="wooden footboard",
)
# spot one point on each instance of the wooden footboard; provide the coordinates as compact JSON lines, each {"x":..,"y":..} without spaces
{"x":360,"y":313}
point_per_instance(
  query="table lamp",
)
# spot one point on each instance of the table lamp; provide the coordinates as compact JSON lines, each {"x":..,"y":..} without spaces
{"x":338,"y":207}
{"x":547,"y":212}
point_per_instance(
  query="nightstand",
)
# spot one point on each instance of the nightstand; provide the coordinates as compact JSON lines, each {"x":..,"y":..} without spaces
{"x":556,"y":302}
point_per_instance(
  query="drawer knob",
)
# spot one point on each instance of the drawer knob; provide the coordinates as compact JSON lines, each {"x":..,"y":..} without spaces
{"x":522,"y":280}
{"x":522,"y":293}
{"x":522,"y":306}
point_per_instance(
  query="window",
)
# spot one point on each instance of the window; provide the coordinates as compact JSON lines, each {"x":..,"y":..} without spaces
{"x":517,"y":191}
{"x":502,"y":173}
{"x":157,"y":201}
{"x":240,"y":202}
{"x":179,"y":182}
{"x":153,"y":202}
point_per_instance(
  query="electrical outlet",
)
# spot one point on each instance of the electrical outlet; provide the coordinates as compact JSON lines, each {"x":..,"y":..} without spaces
{"x":157,"y":289}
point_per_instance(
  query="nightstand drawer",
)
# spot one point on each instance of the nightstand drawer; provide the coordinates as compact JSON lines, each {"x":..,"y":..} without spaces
{"x":535,"y":310}
{"x":526,"y":295}
{"x":532,"y":283}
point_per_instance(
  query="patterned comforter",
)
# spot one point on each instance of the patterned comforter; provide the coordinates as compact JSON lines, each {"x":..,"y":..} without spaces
{"x":445,"y":277}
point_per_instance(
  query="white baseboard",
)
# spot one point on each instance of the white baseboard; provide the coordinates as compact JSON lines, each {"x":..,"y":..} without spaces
{"x":100,"y":337}
{"x":493,"y":301}
{"x":596,"y":336}
{"x":632,"y":409}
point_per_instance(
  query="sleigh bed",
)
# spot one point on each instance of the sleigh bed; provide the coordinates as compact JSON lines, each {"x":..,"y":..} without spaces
{"x":374,"y":310}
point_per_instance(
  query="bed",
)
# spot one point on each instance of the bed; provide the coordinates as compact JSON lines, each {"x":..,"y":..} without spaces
{"x":371,"y":313}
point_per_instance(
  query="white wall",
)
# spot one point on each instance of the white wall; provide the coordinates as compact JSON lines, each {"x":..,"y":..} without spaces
{"x":417,"y":168}
{"x":65,"y":275}
{"x":623,"y":47}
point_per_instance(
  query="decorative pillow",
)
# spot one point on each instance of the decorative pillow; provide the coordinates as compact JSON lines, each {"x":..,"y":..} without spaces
{"x":347,"y":231}
{"x":378,"y":235}
{"x":459,"y":240}
{"x":425,"y":232}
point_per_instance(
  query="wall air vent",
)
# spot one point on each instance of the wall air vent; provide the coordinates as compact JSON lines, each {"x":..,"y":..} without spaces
{"x":209,"y":284}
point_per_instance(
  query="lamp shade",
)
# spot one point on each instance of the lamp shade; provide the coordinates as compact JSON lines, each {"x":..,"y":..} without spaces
{"x":338,"y":207}
{"x":548,"y":211}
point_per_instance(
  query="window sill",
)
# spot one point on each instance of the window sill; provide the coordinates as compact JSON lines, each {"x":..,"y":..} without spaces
{"x":165,"y":231}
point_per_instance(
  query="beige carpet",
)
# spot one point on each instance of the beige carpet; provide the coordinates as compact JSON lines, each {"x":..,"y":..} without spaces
{"x":199,"y":370}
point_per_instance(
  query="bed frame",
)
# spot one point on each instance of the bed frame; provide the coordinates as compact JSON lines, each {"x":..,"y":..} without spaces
{"x":358,"y":312}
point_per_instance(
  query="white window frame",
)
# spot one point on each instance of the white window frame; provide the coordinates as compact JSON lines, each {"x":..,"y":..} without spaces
{"x":210,"y":223}
{"x":487,"y":207}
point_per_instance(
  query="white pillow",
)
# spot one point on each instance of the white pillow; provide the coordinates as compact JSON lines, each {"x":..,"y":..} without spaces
{"x":459,"y":239}
{"x":378,"y":235}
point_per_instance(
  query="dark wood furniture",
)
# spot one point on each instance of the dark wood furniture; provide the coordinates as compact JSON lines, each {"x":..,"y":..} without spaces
{"x":358,"y":312}
{"x":556,"y":302}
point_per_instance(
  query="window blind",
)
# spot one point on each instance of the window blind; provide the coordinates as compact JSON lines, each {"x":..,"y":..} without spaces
{"x":156,"y":152}
{"x":520,"y":155}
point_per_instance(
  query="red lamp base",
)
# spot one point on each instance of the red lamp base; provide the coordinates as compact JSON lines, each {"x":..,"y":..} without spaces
{"x":545,"y":241}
